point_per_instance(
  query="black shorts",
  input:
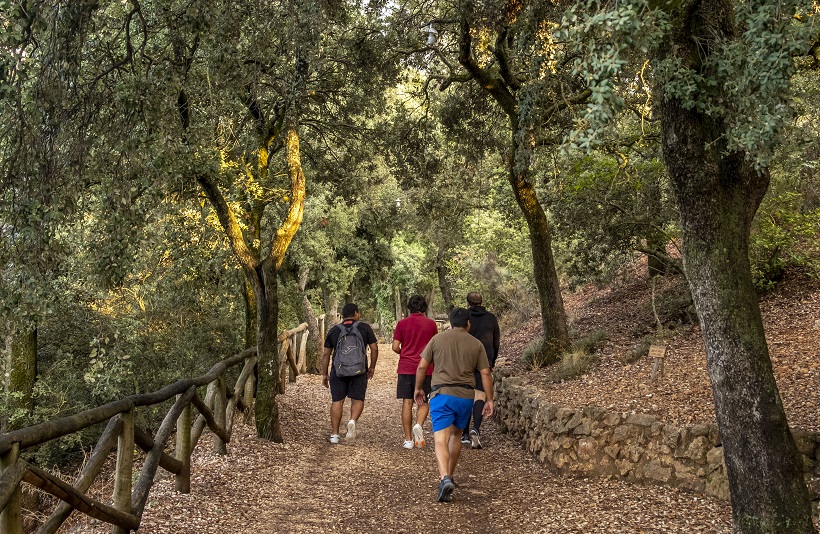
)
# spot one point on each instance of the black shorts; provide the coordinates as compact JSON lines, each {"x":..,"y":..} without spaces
{"x":406,"y":386}
{"x":348,"y":386}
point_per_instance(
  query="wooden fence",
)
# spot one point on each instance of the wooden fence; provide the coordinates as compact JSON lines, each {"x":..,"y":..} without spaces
{"x":125,"y":511}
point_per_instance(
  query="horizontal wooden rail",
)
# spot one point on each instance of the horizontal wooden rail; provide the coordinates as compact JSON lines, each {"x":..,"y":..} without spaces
{"x":37,"y":434}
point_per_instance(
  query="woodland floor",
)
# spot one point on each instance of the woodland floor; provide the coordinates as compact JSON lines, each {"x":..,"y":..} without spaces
{"x":371,"y":484}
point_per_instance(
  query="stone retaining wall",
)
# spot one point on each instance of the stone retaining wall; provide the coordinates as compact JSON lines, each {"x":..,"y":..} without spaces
{"x":633,"y":447}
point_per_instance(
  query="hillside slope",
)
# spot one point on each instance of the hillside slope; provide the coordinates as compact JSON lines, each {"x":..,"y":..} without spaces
{"x":620,"y":382}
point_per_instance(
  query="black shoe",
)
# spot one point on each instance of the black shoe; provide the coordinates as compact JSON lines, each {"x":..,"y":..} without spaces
{"x":465,"y":439}
{"x":445,"y":489}
{"x":475,"y":442}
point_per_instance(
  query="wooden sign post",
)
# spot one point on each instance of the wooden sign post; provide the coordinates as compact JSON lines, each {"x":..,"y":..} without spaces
{"x":657,"y":353}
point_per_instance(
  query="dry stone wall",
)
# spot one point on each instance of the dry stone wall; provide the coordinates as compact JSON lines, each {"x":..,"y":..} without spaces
{"x":632,"y":447}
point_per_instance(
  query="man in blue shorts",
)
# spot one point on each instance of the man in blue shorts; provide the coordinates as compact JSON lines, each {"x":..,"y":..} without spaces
{"x":456,"y":356}
{"x":354,"y":387}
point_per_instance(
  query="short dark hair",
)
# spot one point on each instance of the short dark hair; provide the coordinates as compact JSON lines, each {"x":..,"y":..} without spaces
{"x":474,"y":298}
{"x":459,"y":317}
{"x":349,"y":310}
{"x":416,"y":304}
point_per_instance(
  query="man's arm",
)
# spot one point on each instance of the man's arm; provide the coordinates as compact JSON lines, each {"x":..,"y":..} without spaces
{"x":325,"y":362}
{"x":487,"y":382}
{"x":396,"y":346}
{"x":374,"y":357}
{"x":421,"y":372}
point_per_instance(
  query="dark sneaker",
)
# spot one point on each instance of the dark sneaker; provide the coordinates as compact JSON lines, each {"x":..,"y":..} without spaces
{"x":475,"y":442}
{"x":465,"y":439}
{"x":445,"y":489}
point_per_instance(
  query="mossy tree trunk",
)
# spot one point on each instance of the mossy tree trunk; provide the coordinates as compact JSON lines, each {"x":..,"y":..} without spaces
{"x":502,"y":85}
{"x":19,"y":375}
{"x":718,"y":193}
{"x":263,"y":274}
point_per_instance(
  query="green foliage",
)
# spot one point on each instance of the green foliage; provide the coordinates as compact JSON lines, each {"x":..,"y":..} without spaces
{"x":603,"y":40}
{"x":784,"y":237}
{"x":495,"y":260}
{"x":743,"y":82}
{"x":605,"y":210}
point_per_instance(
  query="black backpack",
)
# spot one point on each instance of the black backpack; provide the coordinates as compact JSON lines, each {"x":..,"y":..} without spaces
{"x":350,"y":358}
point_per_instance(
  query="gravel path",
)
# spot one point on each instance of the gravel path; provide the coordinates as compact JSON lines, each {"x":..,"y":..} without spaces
{"x":372,"y":484}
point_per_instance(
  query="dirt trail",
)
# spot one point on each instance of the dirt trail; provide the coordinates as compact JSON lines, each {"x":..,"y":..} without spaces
{"x":372,"y":484}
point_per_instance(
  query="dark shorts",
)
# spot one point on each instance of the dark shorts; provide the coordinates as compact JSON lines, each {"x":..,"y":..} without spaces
{"x":446,"y":410}
{"x":349,"y":386}
{"x":406,"y":386}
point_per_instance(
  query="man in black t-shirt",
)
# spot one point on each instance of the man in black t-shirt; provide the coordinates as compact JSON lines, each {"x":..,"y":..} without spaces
{"x":484,"y":327}
{"x":350,"y":386}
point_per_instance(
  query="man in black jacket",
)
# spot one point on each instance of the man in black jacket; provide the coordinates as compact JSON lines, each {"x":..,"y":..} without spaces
{"x":484,"y":327}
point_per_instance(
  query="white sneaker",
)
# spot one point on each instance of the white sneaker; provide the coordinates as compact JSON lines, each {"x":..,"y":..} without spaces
{"x":334,"y":439}
{"x":351,"y":429}
{"x":408,"y":444}
{"x":418,"y":436}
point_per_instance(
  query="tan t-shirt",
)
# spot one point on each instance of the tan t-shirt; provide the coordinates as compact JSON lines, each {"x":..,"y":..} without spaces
{"x":457,"y":356}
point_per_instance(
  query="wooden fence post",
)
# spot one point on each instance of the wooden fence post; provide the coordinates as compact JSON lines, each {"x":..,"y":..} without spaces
{"x":220,"y":403}
{"x":321,"y":330}
{"x":303,"y":352}
{"x":11,"y":518}
{"x":124,"y":468}
{"x":292,"y":348}
{"x":183,"y":450}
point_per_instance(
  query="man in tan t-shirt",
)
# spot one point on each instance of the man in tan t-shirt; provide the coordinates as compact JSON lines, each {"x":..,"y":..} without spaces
{"x":456,"y":356}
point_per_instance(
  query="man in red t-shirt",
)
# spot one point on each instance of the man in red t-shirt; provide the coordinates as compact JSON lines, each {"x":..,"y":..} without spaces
{"x":409,"y":339}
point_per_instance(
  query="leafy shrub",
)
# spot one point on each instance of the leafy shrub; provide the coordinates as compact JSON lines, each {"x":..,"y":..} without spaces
{"x":533,"y":355}
{"x":675,"y":305}
{"x":784,"y":236}
{"x":590,"y":343}
{"x":573,"y":364}
{"x":639,"y":350}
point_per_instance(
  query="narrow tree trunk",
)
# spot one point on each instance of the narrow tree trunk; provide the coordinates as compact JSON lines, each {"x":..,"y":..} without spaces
{"x":553,"y":314}
{"x":443,"y":283}
{"x":718,"y":195}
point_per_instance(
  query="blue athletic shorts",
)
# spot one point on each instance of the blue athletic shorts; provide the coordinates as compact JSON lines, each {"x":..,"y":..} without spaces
{"x":446,"y":410}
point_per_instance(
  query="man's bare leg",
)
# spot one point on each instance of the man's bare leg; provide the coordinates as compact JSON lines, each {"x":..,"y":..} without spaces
{"x":448,"y":449}
{"x":407,"y":418}
{"x":422,"y":412}
{"x":336,"y":416}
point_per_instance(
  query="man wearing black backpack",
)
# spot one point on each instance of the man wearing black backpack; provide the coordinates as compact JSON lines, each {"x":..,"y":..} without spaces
{"x":349,"y":373}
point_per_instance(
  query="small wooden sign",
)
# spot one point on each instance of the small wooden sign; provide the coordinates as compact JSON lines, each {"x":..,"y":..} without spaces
{"x":657,"y":351}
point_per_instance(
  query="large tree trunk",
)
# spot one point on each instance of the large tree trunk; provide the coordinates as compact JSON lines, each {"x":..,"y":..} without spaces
{"x":19,"y":375}
{"x":718,"y":194}
{"x":553,"y":314}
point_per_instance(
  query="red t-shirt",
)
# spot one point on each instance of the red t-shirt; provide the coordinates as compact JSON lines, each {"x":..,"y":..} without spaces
{"x":414,"y":333}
